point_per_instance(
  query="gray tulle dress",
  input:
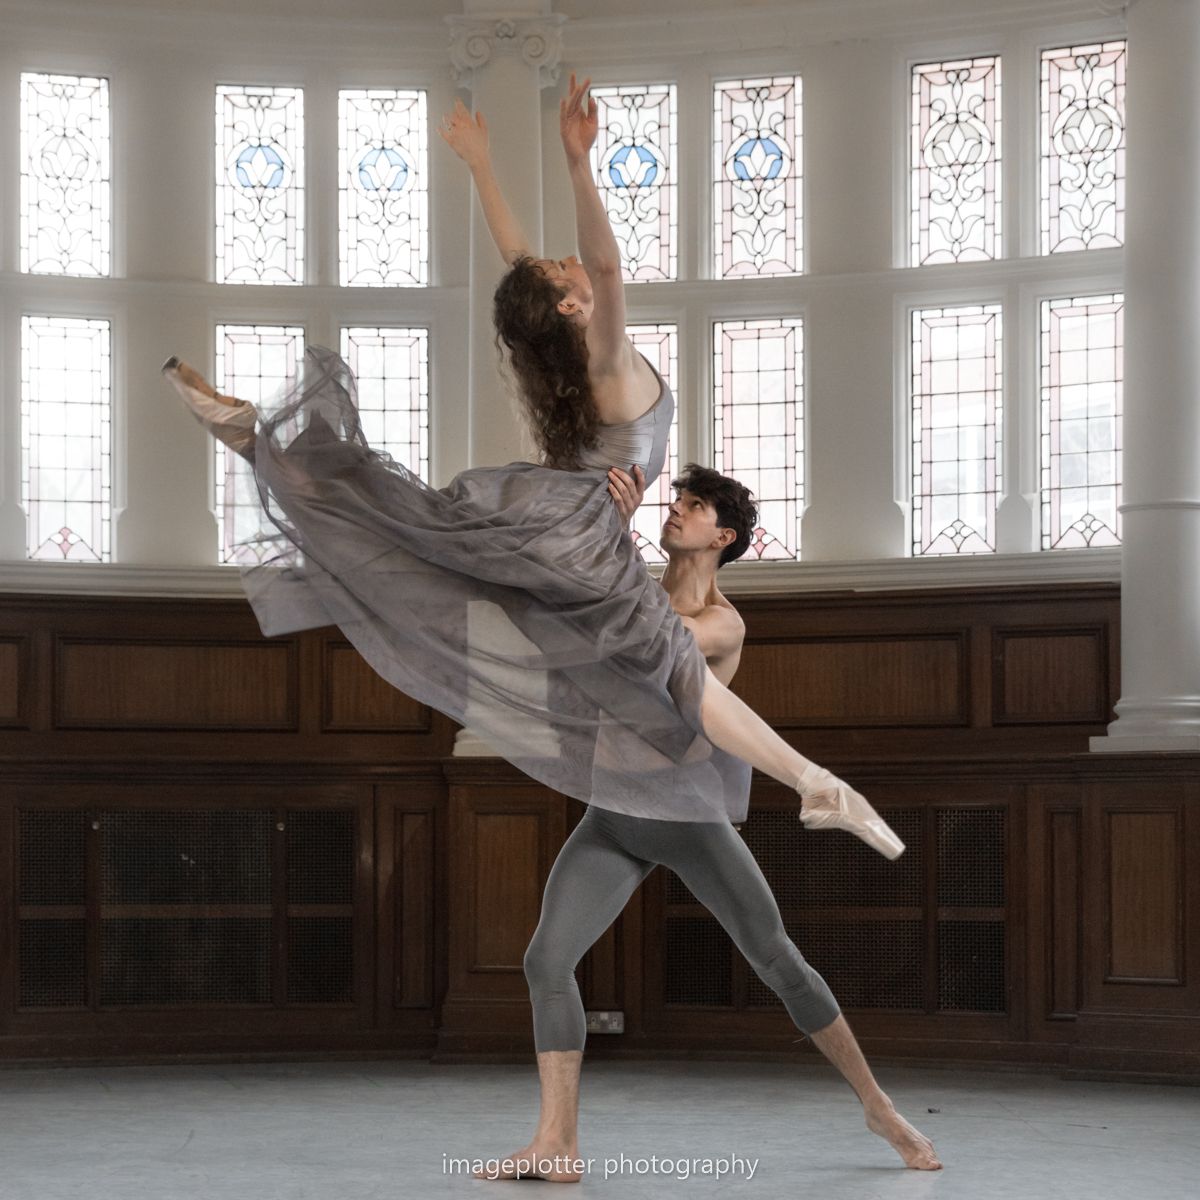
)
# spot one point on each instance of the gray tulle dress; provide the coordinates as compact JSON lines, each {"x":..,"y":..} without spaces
{"x":513,"y":599}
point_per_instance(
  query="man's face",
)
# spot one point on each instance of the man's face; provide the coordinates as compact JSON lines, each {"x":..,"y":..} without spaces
{"x":691,"y":524}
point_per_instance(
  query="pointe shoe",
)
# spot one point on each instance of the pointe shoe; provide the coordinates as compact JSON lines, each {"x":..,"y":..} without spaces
{"x":841,"y":807}
{"x":229,"y":420}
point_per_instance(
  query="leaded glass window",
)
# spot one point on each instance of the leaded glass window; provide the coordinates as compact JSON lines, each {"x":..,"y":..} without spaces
{"x":383,"y":178}
{"x":955,"y":167}
{"x":1083,"y":147}
{"x":956,"y":428}
{"x":260,"y":184}
{"x":66,"y":422}
{"x":660,"y":344}
{"x":758,"y":424}
{"x":66,"y":189}
{"x":633,"y":158}
{"x":392,"y":369}
{"x":1082,"y":349}
{"x":253,"y":363}
{"x":757,"y":175}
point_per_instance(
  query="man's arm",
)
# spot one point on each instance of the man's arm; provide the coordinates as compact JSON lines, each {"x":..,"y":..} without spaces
{"x":627,"y":490}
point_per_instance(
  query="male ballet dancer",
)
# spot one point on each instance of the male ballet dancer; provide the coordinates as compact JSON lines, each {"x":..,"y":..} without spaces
{"x":609,"y":854}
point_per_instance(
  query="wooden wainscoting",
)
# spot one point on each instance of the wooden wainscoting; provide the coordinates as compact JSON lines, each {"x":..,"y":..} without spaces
{"x":221,"y":844}
{"x":95,"y":678}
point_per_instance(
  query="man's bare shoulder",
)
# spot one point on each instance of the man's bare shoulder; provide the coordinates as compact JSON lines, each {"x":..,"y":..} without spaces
{"x":724,"y":625}
{"x":726,"y":613}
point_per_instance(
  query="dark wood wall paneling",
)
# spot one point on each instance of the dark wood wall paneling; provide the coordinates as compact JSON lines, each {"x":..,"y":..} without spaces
{"x":1047,"y":909}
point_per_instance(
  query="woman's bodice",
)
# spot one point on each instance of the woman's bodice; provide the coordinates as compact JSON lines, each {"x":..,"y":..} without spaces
{"x":642,"y":440}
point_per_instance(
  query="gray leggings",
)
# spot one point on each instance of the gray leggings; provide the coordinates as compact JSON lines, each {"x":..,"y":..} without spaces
{"x":596,"y":872}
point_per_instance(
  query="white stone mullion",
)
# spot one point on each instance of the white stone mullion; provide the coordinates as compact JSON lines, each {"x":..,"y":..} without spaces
{"x":1159,"y":707}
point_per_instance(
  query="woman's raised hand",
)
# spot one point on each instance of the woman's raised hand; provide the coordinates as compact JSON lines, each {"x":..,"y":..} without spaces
{"x":577,"y":125}
{"x":467,"y":137}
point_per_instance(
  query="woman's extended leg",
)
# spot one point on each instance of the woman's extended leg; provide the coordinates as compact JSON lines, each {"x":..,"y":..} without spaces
{"x":828,"y":802}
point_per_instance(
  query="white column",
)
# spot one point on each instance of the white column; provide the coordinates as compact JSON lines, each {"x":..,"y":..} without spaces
{"x":504,"y":53}
{"x":1160,"y":559}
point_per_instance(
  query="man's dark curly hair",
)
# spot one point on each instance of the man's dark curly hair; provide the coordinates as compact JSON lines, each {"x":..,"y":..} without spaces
{"x":549,"y":357}
{"x":733,"y":502}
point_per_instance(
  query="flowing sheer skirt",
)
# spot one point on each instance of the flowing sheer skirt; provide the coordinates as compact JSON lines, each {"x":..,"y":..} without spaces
{"x":513,"y":600}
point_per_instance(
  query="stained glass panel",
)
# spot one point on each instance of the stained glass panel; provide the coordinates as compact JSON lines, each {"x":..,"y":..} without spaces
{"x":260,"y":184}
{"x":758,"y":372}
{"x":66,"y":422}
{"x":660,"y":344}
{"x":757,"y":176}
{"x":634,"y":161}
{"x":956,"y":428}
{"x":253,"y":362}
{"x":1083,"y":147}
{"x":383,"y":187}
{"x":392,"y":369}
{"x":66,"y":189}
{"x":1082,"y":350}
{"x":955,"y":167}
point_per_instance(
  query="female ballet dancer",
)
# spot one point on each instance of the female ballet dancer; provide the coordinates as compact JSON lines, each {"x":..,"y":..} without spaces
{"x":513,"y":600}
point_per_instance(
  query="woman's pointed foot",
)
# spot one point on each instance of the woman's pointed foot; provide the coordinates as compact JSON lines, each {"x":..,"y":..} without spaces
{"x":229,"y":420}
{"x":181,"y":373}
{"x":830,"y":803}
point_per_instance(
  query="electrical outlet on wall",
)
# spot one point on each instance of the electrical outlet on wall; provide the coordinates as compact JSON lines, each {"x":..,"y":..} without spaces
{"x":605,"y":1022}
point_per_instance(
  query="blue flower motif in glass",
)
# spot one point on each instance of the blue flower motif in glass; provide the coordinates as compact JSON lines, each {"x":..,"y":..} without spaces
{"x":383,"y":169}
{"x":260,"y":166}
{"x":641,"y":172}
{"x":758,"y":158}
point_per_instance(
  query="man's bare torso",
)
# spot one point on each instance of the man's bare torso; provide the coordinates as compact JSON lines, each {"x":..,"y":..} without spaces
{"x":724,"y":666}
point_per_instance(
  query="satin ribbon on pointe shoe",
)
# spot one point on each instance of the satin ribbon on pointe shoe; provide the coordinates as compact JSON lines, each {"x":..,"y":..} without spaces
{"x":850,"y":811}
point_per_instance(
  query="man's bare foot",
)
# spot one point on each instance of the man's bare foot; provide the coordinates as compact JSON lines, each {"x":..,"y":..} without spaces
{"x":556,"y":1163}
{"x":192,"y":378}
{"x":912,"y":1146}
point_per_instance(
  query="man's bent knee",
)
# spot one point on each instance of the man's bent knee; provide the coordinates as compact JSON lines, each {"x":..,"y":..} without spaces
{"x":803,"y":990}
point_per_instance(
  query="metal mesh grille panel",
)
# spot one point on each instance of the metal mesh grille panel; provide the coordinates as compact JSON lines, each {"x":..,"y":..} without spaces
{"x":320,"y":856}
{"x":51,"y":855}
{"x":201,"y":960}
{"x":697,"y":962}
{"x":320,"y":960}
{"x":971,"y":966}
{"x":186,"y":857}
{"x":970,"y":856}
{"x":52,"y":963}
{"x":819,"y":869}
{"x":867,"y":964}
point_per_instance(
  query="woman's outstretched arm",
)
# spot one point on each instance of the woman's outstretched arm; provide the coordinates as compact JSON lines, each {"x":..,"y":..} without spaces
{"x":608,"y":345}
{"x":469,"y":140}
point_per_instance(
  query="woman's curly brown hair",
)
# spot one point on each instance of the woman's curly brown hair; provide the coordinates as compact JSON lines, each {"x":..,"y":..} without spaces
{"x":549,"y":357}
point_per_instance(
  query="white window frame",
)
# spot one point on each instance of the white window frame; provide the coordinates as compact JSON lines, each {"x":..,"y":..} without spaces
{"x":1018,"y":282}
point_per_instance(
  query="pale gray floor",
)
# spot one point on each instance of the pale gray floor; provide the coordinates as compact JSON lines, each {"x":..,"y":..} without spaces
{"x":361,"y":1130}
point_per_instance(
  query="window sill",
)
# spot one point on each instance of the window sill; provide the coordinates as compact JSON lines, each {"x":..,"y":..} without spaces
{"x":741,"y":578}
